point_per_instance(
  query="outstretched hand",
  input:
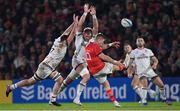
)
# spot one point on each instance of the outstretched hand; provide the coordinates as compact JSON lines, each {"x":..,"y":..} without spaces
{"x":75,"y":18}
{"x":116,"y":44}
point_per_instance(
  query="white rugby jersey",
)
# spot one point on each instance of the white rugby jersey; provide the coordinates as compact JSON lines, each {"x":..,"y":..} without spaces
{"x":56,"y":54}
{"x":142,"y":59}
{"x":80,"y":45}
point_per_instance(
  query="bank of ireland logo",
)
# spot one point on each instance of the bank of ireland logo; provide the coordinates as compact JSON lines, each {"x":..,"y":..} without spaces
{"x":27,"y":93}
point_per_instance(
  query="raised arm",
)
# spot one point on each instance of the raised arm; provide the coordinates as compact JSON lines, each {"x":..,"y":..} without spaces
{"x":68,"y":30}
{"x":95,"y":21}
{"x":83,"y":17}
{"x":72,"y":34}
{"x":115,"y":44}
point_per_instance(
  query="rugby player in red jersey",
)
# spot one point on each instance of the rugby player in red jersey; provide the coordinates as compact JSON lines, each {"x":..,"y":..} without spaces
{"x":98,"y":68}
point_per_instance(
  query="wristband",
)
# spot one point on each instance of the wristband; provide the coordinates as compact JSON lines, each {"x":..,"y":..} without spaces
{"x":110,"y":44}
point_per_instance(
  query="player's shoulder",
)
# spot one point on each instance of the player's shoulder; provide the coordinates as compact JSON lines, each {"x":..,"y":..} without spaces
{"x":132,"y":53}
{"x":147,"y":49}
{"x":135,"y":50}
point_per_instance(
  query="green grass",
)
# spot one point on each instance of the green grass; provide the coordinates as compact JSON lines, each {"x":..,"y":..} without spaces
{"x":93,"y":106}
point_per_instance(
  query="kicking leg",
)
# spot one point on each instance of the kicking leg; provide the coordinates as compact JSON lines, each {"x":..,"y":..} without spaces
{"x":110,"y":94}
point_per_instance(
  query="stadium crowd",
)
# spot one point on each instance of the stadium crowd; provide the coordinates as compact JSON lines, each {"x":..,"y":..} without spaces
{"x":29,"y":27}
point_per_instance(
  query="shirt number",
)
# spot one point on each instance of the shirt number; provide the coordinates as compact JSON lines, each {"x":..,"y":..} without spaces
{"x":88,"y":56}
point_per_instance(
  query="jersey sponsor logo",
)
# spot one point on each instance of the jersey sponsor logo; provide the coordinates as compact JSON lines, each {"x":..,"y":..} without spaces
{"x":142,"y":57}
{"x":88,"y":56}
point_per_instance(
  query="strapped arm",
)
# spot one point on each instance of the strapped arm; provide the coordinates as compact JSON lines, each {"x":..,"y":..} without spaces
{"x":95,"y":21}
{"x":68,"y":30}
{"x":73,"y":31}
{"x":83,"y":17}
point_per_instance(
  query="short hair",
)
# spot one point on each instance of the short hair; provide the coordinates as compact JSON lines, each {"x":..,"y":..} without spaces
{"x":143,"y":37}
{"x":100,"y":35}
{"x":127,"y":43}
{"x":87,"y":29}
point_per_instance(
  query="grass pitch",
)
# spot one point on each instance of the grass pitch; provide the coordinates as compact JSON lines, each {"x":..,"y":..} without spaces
{"x":93,"y":106}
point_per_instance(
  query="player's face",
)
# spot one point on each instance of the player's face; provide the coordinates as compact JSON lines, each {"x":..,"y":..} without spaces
{"x":140,"y":42}
{"x":127,"y":48}
{"x":87,"y":35}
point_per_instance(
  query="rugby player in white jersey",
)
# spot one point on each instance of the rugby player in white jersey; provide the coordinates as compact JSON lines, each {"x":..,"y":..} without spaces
{"x":135,"y":81}
{"x":79,"y":58}
{"x":47,"y":68}
{"x":141,"y":59}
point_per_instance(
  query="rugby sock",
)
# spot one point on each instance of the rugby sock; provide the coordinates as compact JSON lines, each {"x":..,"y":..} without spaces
{"x":13,"y":86}
{"x":138,"y":91}
{"x":144,"y":95}
{"x":162,"y":93}
{"x":53,"y":98}
{"x":63,"y":86}
{"x":110,"y":95}
{"x":80,"y":89}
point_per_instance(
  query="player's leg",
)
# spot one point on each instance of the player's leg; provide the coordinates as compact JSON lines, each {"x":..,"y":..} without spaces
{"x":103,"y":81}
{"x":27,"y":82}
{"x":69,"y":79}
{"x":144,"y":82}
{"x":157,"y":81}
{"x":22,"y":83}
{"x":56,"y":76}
{"x":135,"y":83}
{"x":84,"y":73}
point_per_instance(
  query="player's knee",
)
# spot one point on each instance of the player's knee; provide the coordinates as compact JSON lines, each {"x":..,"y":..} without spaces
{"x":56,"y":76}
{"x":134,"y":84}
{"x":161,"y":86}
{"x":60,"y":80}
{"x":86,"y":77}
{"x":68,"y":80}
{"x":30,"y":81}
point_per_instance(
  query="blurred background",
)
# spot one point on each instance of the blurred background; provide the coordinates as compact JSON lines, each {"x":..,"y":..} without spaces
{"x":29,"y":27}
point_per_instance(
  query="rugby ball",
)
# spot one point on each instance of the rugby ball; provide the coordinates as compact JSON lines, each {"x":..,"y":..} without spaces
{"x":126,"y":23}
